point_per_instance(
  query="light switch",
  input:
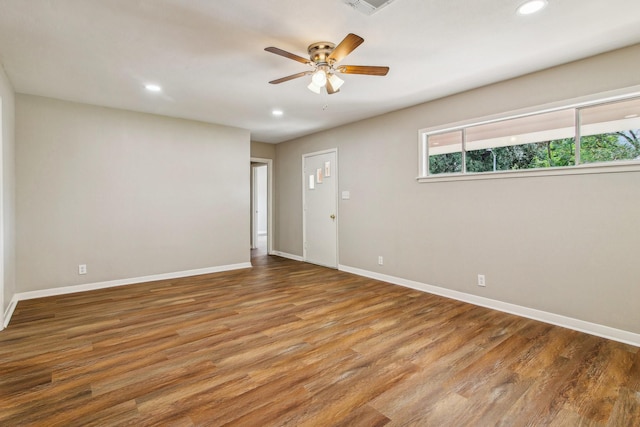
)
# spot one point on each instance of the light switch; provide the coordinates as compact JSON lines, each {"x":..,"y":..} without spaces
{"x":346,"y":195}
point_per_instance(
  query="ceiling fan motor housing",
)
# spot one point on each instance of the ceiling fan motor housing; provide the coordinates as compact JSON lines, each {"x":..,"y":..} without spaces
{"x":319,"y":52}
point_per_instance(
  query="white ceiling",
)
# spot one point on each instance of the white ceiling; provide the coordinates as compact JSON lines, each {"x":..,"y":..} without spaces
{"x":209,"y":56}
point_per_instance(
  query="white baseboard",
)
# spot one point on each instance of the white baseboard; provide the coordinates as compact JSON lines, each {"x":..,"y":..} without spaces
{"x":9,"y":312}
{"x":114,"y":283}
{"x":530,"y":313}
{"x":286,"y":255}
{"x":543,"y":316}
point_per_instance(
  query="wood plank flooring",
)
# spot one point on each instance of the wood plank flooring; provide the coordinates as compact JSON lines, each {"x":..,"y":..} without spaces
{"x":292,"y":344}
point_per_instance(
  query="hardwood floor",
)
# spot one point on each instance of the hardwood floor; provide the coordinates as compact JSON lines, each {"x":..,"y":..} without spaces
{"x":292,"y":344}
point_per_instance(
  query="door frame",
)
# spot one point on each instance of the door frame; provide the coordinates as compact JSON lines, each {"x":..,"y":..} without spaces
{"x":254,"y":198}
{"x":334,"y":172}
{"x":3,"y":319}
{"x":269,"y":163}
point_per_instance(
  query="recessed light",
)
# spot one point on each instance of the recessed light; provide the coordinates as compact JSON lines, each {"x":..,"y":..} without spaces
{"x":277,"y":112}
{"x":532,"y":6}
{"x":152,"y":87}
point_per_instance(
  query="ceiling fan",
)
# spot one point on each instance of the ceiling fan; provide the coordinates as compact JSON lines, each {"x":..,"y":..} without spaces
{"x":323,"y":57}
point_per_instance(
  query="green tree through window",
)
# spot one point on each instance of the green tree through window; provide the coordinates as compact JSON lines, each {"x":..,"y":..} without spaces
{"x":609,"y":132}
{"x":609,"y":147}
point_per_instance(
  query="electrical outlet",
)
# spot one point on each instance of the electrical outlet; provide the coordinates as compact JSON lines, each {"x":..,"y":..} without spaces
{"x":82,"y":269}
{"x":380,"y":260}
{"x":481,"y":281}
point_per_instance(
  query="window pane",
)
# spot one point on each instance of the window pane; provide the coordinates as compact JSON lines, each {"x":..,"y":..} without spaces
{"x":539,"y":141}
{"x":445,"y":152}
{"x":610,"y":132}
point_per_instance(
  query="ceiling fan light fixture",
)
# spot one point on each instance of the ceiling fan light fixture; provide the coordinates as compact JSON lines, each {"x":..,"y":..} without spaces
{"x":335,"y":81}
{"x":314,"y":87}
{"x":319,"y":78}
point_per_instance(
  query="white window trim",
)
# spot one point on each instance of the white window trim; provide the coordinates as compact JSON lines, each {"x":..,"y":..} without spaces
{"x":592,"y":168}
{"x":579,"y":169}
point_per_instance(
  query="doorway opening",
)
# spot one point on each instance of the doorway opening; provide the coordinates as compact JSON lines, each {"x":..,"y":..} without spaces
{"x":261,"y":210}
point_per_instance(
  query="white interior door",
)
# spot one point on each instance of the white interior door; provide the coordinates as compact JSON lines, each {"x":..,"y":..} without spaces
{"x":320,"y":201}
{"x":261,"y":200}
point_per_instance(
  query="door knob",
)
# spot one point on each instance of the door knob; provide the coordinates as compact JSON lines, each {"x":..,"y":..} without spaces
{"x":332,"y":216}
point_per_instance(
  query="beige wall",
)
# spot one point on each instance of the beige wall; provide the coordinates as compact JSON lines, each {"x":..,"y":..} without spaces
{"x":128,"y":194}
{"x":8,"y":187}
{"x":263,"y":150}
{"x":566,"y":245}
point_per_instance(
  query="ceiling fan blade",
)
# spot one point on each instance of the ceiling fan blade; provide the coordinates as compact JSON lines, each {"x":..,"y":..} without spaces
{"x":289,"y":55}
{"x":330,"y":89}
{"x":363,"y":69}
{"x":345,"y":47}
{"x":291,"y":77}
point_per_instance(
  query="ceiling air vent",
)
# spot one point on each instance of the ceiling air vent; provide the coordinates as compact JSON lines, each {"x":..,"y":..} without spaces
{"x":368,"y":7}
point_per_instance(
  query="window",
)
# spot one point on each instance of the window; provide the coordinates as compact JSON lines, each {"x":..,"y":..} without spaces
{"x":610,"y":132}
{"x":538,"y":141}
{"x":607,"y":132}
{"x":445,"y":152}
